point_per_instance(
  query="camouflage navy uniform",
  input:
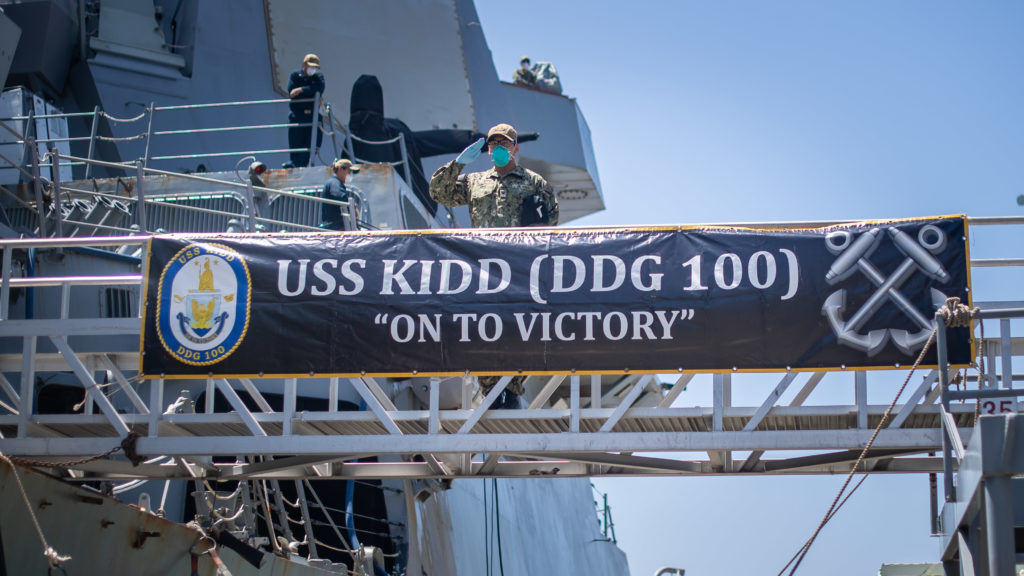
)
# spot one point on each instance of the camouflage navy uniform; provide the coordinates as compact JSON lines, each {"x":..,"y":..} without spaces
{"x":524,"y":78}
{"x":495,"y":201}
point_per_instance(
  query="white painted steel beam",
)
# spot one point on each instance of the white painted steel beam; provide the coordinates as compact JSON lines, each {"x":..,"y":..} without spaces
{"x":240,"y":408}
{"x":913,"y":401}
{"x":626,"y":403}
{"x":769,"y":402}
{"x":91,"y":387}
{"x":71,"y":327}
{"x":918,"y":439}
{"x":9,"y":390}
{"x":362,"y":386}
{"x":675,"y":391}
{"x":258,"y":398}
{"x":608,"y":465}
{"x":542,"y":397}
{"x":118,"y":376}
{"x":478,"y":413}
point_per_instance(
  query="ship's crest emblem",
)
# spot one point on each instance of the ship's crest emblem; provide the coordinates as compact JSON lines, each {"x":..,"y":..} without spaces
{"x":203,"y":304}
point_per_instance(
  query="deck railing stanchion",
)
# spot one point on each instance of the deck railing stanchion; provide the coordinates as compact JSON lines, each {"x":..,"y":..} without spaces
{"x":140,"y":194}
{"x":314,"y":129}
{"x":947,"y":447}
{"x":5,"y":285}
{"x":250,"y":207}
{"x":149,"y":131}
{"x":55,"y":178}
{"x":92,"y":140}
{"x":37,"y":185}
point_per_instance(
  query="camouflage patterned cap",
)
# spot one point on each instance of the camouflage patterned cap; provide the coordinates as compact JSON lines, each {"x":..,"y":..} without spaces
{"x":311,"y":60}
{"x":524,"y":59}
{"x":505,"y":131}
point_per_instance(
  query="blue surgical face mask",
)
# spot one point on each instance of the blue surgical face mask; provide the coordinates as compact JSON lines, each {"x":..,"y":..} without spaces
{"x":501,"y":156}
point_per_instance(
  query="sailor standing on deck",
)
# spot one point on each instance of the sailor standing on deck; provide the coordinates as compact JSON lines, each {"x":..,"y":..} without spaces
{"x":331,"y":214}
{"x":524,"y":76}
{"x":303,"y":86}
{"x":506,"y":195}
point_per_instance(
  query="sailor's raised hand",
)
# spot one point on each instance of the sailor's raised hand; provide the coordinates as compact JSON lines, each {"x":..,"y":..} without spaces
{"x":472,"y":152}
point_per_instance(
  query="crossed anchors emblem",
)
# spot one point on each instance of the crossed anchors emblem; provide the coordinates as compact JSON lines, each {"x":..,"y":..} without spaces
{"x":853,"y":257}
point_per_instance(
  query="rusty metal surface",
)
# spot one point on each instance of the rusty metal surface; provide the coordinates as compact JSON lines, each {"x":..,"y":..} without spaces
{"x":105,"y":536}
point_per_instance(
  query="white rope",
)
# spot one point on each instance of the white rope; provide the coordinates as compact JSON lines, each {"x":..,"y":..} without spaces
{"x":52,"y":556}
{"x":113,"y":119}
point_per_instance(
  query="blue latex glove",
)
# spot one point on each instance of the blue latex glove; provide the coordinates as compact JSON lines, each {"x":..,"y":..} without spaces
{"x":472,"y":152}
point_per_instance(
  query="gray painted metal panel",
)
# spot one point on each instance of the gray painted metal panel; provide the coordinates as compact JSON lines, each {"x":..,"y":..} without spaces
{"x":10,"y":33}
{"x":414,"y":49}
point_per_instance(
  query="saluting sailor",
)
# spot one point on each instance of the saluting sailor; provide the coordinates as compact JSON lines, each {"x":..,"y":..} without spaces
{"x":506,"y":195}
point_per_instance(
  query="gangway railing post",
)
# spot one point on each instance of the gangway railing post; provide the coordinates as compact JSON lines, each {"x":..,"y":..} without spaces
{"x":722,"y":398}
{"x":5,"y":286}
{"x":55,"y":178}
{"x":1006,"y":355}
{"x":149,"y":131}
{"x":28,"y":382}
{"x":314,"y":129}
{"x":947,"y":447}
{"x":37,"y":186}
{"x":140,"y":194}
{"x":92,"y":140}
{"x":860,"y":379}
{"x":156,"y":394}
{"x":574,"y":403}
{"x":250,"y":208}
{"x":334,"y":132}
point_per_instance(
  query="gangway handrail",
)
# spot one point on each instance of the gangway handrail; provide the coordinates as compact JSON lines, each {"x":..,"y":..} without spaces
{"x":951,"y":442}
{"x":235,"y":103}
{"x":806,"y":224}
{"x":149,"y":134}
{"x":56,"y":156}
{"x":37,"y":281}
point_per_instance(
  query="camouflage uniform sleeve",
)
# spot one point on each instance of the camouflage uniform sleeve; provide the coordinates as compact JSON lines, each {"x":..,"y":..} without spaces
{"x":448,"y":186}
{"x":549,"y":198}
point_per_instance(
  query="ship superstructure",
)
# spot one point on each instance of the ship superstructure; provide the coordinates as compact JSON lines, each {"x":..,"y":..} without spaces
{"x":379,"y":473}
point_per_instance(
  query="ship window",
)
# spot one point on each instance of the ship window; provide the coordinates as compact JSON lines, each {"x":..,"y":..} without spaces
{"x":117,"y":303}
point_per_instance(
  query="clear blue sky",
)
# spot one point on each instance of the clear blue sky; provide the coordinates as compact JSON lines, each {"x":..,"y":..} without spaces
{"x":741,"y":111}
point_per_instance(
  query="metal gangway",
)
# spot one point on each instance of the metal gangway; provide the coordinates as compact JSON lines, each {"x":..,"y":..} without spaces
{"x":613,"y":424}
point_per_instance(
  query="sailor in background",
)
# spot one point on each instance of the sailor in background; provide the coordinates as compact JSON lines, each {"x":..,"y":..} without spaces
{"x":523,"y":75}
{"x":506,"y":195}
{"x":331,"y":214}
{"x":303,"y":86}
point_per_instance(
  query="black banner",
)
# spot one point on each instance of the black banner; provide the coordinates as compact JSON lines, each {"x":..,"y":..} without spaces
{"x":497,"y":301}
